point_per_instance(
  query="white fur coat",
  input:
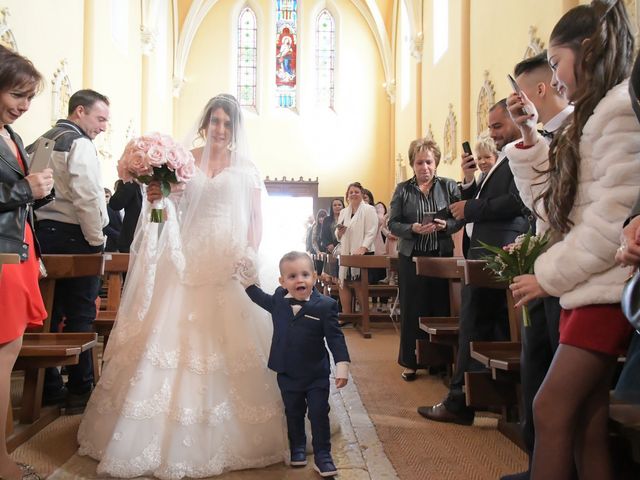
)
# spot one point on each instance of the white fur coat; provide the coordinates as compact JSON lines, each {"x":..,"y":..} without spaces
{"x":580,"y":267}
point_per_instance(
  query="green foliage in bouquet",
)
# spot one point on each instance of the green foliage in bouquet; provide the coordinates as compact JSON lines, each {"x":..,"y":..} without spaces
{"x":515,"y":259}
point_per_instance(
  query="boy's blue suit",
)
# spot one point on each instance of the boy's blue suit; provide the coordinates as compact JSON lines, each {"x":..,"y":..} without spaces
{"x":299,"y":356}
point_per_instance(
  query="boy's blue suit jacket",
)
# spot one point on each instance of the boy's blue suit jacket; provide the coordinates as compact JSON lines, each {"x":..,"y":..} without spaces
{"x":298,"y":347}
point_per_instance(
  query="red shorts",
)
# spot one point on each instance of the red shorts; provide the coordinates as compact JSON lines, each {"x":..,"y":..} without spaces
{"x":601,"y":328}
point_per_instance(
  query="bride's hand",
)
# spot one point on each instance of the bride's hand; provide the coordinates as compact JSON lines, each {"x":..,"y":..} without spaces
{"x":154,"y":192}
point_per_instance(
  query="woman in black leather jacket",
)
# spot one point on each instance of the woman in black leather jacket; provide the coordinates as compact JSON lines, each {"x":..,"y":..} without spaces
{"x":20,"y":300}
{"x":412,"y":220}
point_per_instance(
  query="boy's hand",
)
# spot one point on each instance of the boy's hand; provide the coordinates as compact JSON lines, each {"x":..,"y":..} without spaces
{"x":341,"y":382}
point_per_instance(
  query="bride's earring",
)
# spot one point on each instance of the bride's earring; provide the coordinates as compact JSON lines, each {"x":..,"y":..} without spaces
{"x":231,"y":147}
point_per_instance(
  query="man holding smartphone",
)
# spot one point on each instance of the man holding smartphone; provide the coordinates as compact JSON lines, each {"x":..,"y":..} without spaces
{"x":494,"y":214}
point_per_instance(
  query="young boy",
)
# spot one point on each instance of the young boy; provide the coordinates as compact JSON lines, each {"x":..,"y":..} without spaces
{"x":302,"y":320}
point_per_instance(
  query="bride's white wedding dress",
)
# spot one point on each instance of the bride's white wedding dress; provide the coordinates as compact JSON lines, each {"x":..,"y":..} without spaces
{"x":185,"y":390}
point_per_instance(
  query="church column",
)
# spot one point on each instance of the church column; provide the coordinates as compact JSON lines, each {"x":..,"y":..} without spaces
{"x":156,"y":102}
{"x":465,"y":69}
{"x":88,"y":52}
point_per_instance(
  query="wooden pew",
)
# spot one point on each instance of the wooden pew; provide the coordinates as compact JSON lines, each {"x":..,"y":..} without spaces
{"x":8,"y":259}
{"x":66,"y":266}
{"x":499,"y":386}
{"x":41,"y":350}
{"x":46,"y":349}
{"x":363,"y":290}
{"x":442,"y":345}
{"x":115,"y":265}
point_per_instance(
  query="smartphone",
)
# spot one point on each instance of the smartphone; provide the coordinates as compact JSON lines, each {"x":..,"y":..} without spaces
{"x":516,"y":88}
{"x":466,"y":148}
{"x":428,"y":218}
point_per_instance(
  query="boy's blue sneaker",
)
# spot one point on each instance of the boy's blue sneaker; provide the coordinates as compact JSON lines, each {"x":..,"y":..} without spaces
{"x":298,"y":457}
{"x":324,"y":465}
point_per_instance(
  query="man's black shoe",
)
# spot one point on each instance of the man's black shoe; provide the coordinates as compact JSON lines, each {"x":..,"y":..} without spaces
{"x":55,"y":398}
{"x":440,"y":413}
{"x":76,"y":403}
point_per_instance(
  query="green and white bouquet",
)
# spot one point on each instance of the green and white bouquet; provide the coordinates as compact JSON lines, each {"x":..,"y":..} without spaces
{"x":516,"y":259}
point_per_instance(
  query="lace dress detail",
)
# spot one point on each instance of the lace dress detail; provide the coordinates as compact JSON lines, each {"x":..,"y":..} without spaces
{"x":185,"y":390}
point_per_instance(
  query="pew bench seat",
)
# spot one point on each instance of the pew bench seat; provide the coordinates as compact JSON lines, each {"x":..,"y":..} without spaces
{"x":41,"y":350}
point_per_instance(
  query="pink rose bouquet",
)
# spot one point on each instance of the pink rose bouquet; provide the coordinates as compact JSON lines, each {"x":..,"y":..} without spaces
{"x":156,"y":157}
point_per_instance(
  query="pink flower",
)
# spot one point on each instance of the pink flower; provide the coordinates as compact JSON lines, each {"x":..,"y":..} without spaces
{"x":123,"y":172}
{"x":175,"y":159}
{"x":141,"y":144}
{"x":138,"y":164}
{"x":156,"y":155}
{"x":166,"y":141}
{"x":186,"y":171}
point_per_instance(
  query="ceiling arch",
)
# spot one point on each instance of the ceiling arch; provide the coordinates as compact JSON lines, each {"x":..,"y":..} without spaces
{"x":199,"y":9}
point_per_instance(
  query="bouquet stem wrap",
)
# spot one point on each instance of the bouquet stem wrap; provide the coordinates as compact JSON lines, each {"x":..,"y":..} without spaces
{"x":157,"y":211}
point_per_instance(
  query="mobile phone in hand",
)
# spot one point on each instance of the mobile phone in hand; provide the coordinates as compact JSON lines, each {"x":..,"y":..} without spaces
{"x":516,"y":88}
{"x":466,"y":148}
{"x":428,"y":218}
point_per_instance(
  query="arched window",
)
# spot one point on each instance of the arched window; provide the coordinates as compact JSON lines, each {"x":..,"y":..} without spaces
{"x":247,"y":58}
{"x":325,"y":58}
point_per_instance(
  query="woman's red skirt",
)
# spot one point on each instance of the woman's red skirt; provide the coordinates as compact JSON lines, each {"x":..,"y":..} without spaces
{"x":21,"y":303}
{"x":600,"y":328}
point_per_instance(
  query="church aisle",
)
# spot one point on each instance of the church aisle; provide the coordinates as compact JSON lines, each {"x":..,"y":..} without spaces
{"x":418,"y":448}
{"x":356,"y":449}
{"x":388,"y":437}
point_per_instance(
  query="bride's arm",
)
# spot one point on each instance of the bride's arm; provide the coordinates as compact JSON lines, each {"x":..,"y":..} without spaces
{"x":255,"y":220}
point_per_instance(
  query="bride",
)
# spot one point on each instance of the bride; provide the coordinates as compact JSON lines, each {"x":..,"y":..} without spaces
{"x":185,"y":389}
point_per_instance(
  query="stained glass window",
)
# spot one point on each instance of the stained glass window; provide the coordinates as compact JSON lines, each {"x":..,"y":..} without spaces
{"x":247,"y":58}
{"x":286,"y":49}
{"x":325,"y":58}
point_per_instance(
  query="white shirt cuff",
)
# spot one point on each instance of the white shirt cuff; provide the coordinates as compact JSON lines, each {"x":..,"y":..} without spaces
{"x":464,"y":186}
{"x":342,"y":370}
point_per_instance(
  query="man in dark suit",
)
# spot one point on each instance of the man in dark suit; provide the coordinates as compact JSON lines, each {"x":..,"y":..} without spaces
{"x":494,"y":214}
{"x":127,"y":196}
{"x":302,"y":321}
{"x":112,"y":230}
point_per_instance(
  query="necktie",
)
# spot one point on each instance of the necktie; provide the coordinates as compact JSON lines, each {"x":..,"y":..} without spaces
{"x":293,"y":301}
{"x":546,"y":134}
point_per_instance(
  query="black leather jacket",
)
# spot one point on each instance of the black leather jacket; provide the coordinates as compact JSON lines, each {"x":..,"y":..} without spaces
{"x":404,"y":213}
{"x":16,"y":200}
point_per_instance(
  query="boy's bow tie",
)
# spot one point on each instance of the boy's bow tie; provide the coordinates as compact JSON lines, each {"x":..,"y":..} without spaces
{"x":293,"y":301}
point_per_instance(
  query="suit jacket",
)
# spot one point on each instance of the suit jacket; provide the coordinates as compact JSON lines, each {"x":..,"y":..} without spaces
{"x":127,"y":196}
{"x":298,"y":344}
{"x":498,"y":214}
{"x":112,"y":231}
